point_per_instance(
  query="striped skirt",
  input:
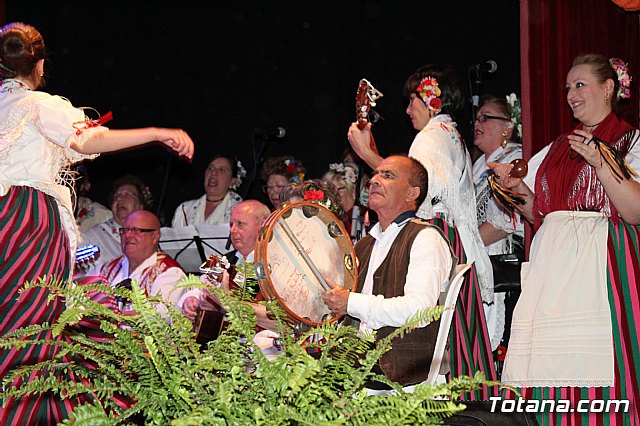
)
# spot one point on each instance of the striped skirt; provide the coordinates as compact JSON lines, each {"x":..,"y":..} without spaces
{"x":623,"y":269}
{"x":34,"y":244}
{"x":469,"y":344}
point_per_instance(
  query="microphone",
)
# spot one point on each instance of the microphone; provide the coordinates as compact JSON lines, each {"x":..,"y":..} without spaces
{"x":278,"y":132}
{"x":490,"y":66}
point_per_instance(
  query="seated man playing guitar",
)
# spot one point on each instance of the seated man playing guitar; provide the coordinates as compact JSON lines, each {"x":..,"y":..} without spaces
{"x":246,"y":220}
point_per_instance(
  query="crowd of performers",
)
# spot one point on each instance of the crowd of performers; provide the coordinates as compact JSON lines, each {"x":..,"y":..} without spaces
{"x":573,"y":334}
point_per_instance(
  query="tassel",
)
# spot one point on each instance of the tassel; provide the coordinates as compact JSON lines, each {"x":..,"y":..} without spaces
{"x":612,"y":157}
{"x":510,"y":200}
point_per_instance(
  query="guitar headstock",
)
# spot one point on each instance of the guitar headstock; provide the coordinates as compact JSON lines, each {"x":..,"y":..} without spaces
{"x":86,"y":257}
{"x":366,"y":98}
{"x":214,"y":266}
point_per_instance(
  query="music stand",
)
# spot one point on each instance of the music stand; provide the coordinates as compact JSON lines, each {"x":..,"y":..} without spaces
{"x":191,"y":245}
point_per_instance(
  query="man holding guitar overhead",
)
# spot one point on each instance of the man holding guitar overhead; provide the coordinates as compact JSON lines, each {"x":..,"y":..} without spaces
{"x":434,"y":97}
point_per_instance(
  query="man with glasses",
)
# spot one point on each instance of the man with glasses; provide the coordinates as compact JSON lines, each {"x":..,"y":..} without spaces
{"x":141,"y":260}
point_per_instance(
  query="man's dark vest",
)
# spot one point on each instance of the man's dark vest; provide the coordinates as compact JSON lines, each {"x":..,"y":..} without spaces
{"x":410,"y":357}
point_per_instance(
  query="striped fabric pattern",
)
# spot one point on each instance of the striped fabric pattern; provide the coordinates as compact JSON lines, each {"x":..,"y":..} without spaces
{"x":469,"y":347}
{"x":33,"y":245}
{"x":623,"y":263}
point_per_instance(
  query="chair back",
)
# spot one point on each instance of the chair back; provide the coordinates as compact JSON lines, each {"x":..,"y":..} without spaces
{"x":451,"y":297}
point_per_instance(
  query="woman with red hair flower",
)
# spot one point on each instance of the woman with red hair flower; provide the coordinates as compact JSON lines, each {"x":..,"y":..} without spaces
{"x":574,"y":330}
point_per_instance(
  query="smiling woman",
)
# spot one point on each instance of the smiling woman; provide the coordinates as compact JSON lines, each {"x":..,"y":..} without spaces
{"x":580,"y":288}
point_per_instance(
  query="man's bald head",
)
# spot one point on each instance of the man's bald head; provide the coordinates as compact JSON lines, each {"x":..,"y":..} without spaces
{"x":246,"y":220}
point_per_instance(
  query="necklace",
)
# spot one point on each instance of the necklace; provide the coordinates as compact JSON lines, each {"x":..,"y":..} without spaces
{"x":592,"y":127}
{"x":216,"y":201}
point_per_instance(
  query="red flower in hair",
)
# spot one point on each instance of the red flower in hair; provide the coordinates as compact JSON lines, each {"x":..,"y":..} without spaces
{"x":312,"y":195}
{"x":291,"y":168}
{"x":436,"y":103}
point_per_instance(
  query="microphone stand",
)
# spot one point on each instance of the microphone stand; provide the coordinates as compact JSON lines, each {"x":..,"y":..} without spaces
{"x":357,"y":231}
{"x":165,"y":185}
{"x":475,"y":91}
{"x":257,"y":159}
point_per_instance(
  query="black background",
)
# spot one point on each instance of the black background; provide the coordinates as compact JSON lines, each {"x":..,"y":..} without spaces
{"x":222,"y":69}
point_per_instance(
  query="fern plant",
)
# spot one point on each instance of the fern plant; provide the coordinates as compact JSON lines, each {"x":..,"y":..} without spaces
{"x":147,"y":366}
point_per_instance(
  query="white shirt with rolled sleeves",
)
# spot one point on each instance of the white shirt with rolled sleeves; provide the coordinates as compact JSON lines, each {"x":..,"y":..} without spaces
{"x":428,"y":274}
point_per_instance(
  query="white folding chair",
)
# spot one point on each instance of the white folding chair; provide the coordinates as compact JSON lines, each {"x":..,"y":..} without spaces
{"x":453,"y":290}
{"x":451,"y":297}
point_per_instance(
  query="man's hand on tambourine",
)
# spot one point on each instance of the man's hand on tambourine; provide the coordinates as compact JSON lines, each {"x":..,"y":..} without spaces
{"x":336,"y":299}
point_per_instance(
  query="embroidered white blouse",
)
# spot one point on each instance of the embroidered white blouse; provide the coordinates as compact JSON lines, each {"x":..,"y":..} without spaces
{"x":440,"y":149}
{"x":36,"y":133}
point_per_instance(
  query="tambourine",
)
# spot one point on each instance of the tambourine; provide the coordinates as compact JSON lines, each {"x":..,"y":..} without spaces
{"x":299,"y":248}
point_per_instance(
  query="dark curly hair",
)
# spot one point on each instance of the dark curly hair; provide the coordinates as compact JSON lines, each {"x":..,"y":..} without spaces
{"x":144,"y":194}
{"x":279,"y":166}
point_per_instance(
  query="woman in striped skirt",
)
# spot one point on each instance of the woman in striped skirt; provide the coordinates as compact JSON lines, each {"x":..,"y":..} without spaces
{"x":40,"y":136}
{"x":574,"y":348}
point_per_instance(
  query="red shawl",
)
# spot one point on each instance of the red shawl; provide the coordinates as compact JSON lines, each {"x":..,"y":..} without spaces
{"x":566,"y":184}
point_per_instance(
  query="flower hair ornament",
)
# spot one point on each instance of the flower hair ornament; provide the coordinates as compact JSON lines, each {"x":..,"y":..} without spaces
{"x":346,"y":170}
{"x":429,"y":92}
{"x":242,"y":172}
{"x":516,"y":112}
{"x":319,"y":192}
{"x":294,"y":170}
{"x":622,"y":71}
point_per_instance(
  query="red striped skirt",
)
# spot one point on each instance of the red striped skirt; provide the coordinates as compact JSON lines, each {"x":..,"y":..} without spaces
{"x":469,"y":344}
{"x":623,"y":285}
{"x":33,"y":244}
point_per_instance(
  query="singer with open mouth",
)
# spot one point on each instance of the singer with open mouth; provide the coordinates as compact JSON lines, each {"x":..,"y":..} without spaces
{"x":222,"y":178}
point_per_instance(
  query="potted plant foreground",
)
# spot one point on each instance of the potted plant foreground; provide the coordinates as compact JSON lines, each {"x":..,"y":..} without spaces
{"x":147,"y":369}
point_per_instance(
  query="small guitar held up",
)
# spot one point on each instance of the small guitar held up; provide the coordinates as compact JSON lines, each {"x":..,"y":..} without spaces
{"x":366,"y":97}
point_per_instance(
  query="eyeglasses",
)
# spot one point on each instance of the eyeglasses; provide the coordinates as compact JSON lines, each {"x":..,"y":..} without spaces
{"x":134,"y":231}
{"x":482,"y":118}
{"x":124,"y":194}
{"x":278,"y":188}
{"x":219,"y":170}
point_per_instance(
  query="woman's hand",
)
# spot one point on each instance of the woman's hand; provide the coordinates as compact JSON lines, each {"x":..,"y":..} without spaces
{"x":178,"y":140}
{"x":360,"y":141}
{"x":582,"y":142}
{"x":502,"y":171}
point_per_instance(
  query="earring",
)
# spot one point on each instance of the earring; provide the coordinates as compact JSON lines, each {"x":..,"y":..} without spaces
{"x":504,"y":141}
{"x":606,"y":97}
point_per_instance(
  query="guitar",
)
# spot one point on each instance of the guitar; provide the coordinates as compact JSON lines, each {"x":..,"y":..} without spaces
{"x":86,"y":257}
{"x":209,"y":323}
{"x":366,"y":97}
